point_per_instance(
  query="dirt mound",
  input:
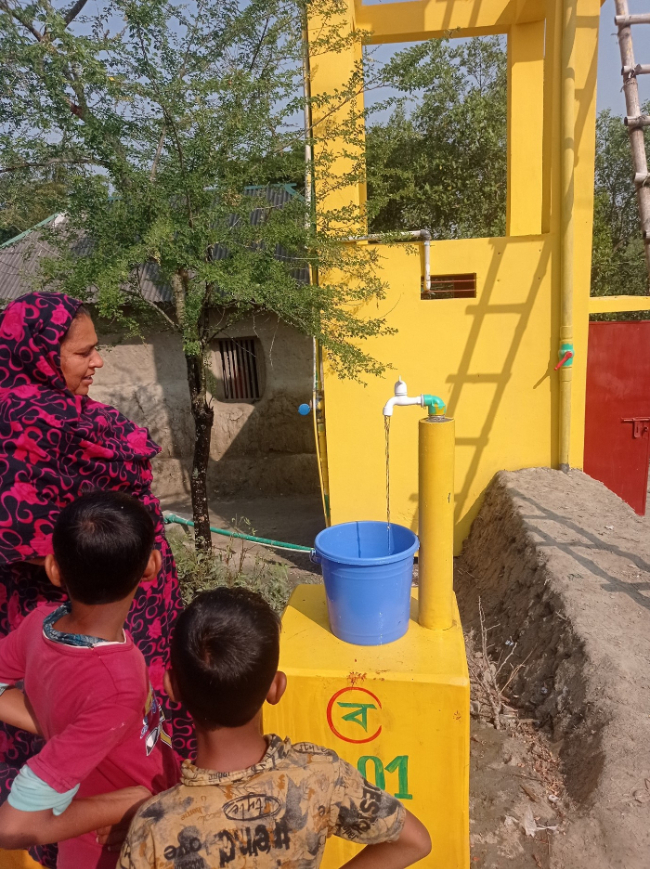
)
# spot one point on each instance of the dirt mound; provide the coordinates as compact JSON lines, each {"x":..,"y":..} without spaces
{"x":562,"y":568}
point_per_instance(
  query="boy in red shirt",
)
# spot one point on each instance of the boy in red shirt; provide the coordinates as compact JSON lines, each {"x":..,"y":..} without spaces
{"x":88,"y":687}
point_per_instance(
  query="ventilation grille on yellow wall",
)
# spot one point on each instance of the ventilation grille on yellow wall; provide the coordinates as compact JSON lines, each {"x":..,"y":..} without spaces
{"x":451,"y":287}
{"x":239,"y":364}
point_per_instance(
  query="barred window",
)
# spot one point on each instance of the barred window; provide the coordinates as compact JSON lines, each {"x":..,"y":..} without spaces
{"x":450,"y":287}
{"x":240,"y":369}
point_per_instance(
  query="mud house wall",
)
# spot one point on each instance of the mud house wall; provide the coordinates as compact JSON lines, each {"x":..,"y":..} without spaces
{"x":258,"y":448}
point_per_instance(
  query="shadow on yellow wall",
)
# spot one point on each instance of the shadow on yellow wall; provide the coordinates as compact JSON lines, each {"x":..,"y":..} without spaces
{"x":481,"y":356}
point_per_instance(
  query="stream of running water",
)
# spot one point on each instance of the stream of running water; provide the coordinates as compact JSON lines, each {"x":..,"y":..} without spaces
{"x":387,"y":437}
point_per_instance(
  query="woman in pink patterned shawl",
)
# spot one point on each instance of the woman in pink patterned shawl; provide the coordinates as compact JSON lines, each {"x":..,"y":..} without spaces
{"x":55,"y":443}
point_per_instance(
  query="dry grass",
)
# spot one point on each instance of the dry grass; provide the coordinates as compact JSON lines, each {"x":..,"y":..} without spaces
{"x":232,"y":566}
{"x":490,"y":677}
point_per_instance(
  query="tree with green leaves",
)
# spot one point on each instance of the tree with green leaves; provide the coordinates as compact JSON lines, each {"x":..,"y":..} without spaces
{"x":440,"y":161}
{"x":618,"y":263}
{"x":159,"y":126}
{"x":171,"y":120}
{"x":27,"y":197}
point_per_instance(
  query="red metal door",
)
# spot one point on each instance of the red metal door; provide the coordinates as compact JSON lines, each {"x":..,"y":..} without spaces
{"x":617,"y":420}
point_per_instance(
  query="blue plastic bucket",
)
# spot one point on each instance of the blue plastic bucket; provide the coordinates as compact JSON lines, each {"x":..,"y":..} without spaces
{"x":368,"y":587}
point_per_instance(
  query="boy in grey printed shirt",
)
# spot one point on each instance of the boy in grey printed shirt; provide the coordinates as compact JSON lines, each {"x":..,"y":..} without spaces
{"x":251,"y":800}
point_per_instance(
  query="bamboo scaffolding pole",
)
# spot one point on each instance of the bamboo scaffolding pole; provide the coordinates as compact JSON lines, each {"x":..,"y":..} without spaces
{"x":624,"y":19}
{"x":639,"y":69}
{"x":639,"y":121}
{"x":635,"y":120}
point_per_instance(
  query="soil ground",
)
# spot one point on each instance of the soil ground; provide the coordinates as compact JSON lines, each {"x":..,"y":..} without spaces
{"x":562,"y":569}
{"x":517,"y":799}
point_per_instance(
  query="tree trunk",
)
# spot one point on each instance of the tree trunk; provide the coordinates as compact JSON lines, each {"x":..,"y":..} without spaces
{"x":203,"y":416}
{"x":202,"y":413}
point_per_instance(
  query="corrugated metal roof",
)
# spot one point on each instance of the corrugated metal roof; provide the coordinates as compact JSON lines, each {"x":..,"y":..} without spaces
{"x":20,"y":257}
{"x":19,"y":260}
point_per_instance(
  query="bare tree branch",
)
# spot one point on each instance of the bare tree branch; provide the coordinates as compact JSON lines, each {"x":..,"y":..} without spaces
{"x":156,"y":159}
{"x":258,"y":47}
{"x":159,"y":311}
{"x":190,"y":40}
{"x":73,"y":11}
{"x":169,"y":122}
{"x":222,"y":325}
{"x":300,"y":133}
{"x":15,"y":13}
{"x":140,"y":295}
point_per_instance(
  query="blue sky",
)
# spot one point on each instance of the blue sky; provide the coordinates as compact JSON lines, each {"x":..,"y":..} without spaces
{"x":609,"y":66}
{"x":609,"y":94}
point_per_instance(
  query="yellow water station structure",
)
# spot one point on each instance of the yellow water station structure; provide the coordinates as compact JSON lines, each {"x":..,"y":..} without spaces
{"x":398,"y":712}
{"x":507,"y":355}
{"x":509,"y":308}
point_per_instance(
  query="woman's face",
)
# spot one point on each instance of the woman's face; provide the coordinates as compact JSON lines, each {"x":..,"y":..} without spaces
{"x":79,"y":356}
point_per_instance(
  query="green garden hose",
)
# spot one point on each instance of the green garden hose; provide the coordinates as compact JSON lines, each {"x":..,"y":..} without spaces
{"x":261,"y":541}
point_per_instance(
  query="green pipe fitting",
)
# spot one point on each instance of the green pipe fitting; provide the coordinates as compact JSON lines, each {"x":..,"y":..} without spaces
{"x":436,"y":405}
{"x":566,"y":347}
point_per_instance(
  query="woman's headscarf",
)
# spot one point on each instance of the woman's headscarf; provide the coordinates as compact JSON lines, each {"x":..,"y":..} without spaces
{"x":55,"y":445}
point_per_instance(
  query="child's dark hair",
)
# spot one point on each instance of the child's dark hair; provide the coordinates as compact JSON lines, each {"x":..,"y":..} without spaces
{"x":102,"y":543}
{"x":224,"y":653}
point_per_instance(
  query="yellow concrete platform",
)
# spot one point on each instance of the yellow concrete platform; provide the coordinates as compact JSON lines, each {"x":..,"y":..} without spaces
{"x":399,"y":713}
{"x":17,"y":860}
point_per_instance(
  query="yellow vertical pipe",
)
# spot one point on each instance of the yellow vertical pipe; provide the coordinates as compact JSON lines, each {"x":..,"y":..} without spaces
{"x":318,"y":400}
{"x":436,"y":527}
{"x":567,"y":207}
